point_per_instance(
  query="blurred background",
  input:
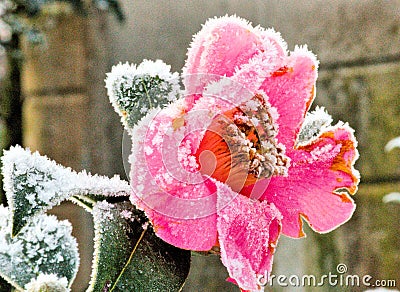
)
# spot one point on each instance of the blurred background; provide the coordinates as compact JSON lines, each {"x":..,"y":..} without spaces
{"x":53,"y":64}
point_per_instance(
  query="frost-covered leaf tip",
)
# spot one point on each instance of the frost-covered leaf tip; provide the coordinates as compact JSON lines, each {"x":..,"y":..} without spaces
{"x":134,"y":90}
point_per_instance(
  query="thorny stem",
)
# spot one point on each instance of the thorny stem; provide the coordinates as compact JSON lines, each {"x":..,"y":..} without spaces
{"x":129,"y":260}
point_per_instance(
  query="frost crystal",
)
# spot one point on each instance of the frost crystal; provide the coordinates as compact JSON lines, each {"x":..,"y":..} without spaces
{"x":314,"y":123}
{"x":43,"y":250}
{"x":47,"y":283}
{"x":133,"y":91}
{"x":34,"y":184}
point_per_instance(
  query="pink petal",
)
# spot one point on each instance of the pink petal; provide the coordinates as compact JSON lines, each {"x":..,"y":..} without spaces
{"x":248,"y":232}
{"x":291,"y":91}
{"x":178,"y":200}
{"x":192,"y":234}
{"x":315,"y":187}
{"x":222,"y":47}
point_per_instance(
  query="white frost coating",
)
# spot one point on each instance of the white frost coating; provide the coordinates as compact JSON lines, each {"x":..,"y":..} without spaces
{"x":303,"y":51}
{"x":105,"y":210}
{"x":314,"y":123}
{"x":157,"y":68}
{"x":147,"y":67}
{"x":227,"y":93}
{"x":104,"y":214}
{"x":44,"y":183}
{"x":43,"y":247}
{"x":48,"y":282}
{"x":139,"y":133}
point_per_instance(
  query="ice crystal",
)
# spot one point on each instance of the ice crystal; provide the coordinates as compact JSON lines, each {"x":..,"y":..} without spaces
{"x":133,"y":91}
{"x":43,"y":247}
{"x":34,"y":184}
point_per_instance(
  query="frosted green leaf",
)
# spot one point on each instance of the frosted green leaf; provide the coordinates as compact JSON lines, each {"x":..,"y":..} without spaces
{"x":44,"y":247}
{"x":34,"y":184}
{"x":130,"y":257}
{"x":134,"y":91}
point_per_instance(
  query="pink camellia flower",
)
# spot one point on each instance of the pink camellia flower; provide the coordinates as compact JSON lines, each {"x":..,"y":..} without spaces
{"x":239,"y":160}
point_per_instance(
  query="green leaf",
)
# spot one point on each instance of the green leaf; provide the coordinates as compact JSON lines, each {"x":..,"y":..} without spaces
{"x":135,"y":91}
{"x":45,"y":249}
{"x":130,"y":257}
{"x":34,"y":184}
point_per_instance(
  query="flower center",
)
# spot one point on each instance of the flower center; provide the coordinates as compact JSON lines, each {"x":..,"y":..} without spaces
{"x":240,"y":146}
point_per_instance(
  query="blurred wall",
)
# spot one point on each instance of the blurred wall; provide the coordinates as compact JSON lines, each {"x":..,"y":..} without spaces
{"x":357,"y":43}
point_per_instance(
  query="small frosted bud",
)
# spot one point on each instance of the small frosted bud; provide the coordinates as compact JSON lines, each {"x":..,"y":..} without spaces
{"x":47,"y":283}
{"x":313,"y":124}
{"x":134,"y":90}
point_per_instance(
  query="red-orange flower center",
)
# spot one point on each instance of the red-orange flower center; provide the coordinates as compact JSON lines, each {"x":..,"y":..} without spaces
{"x":240,"y":146}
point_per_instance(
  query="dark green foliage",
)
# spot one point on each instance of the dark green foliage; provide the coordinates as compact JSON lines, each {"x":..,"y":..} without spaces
{"x":4,"y":285}
{"x":130,"y":257}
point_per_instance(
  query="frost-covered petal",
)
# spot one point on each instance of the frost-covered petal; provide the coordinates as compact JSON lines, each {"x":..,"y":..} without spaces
{"x":187,"y":224}
{"x":320,"y":178}
{"x":224,"y":46}
{"x":191,"y":234}
{"x":248,"y":232}
{"x":291,"y":91}
{"x":220,"y":46}
{"x":166,"y":184}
